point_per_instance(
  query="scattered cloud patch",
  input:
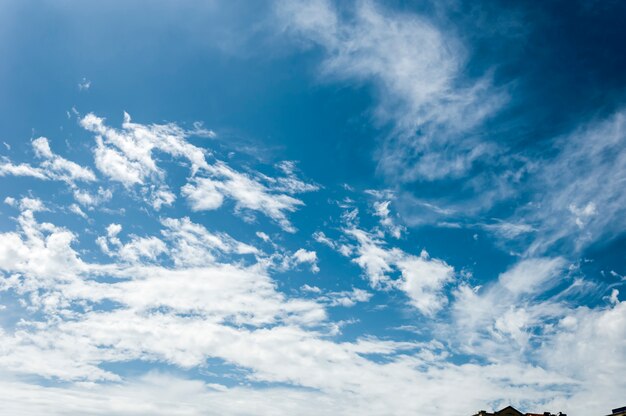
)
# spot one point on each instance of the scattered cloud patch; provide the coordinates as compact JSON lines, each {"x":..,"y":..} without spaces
{"x":419,"y":89}
{"x":84,"y":84}
{"x":302,"y":256}
{"x":248,"y":192}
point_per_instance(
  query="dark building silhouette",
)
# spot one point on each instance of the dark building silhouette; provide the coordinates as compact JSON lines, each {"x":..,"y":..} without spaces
{"x":511,"y":411}
{"x":620,"y":411}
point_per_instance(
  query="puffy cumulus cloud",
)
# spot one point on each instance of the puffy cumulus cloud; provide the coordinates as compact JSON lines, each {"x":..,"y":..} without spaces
{"x":308,"y":257}
{"x":41,"y":250}
{"x":420,"y":88}
{"x":186,"y":315}
{"x":422,"y":278}
{"x":136,"y":250}
{"x":193,"y":245}
{"x":91,"y":199}
{"x":26,"y":203}
{"x":203,"y":194}
{"x":128,"y":156}
{"x":52,"y":166}
{"x":60,"y":168}
{"x":249,"y":193}
{"x":193,"y":311}
{"x":184,"y":295}
{"x":151,"y":302}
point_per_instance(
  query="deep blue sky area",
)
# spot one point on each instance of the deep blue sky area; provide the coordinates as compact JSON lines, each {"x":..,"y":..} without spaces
{"x":312,"y":207}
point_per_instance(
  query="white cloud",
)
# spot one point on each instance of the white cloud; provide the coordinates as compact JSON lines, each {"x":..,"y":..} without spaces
{"x":589,"y":347}
{"x":78,"y":211}
{"x":501,"y":317}
{"x":52,"y":166}
{"x":138,"y":249}
{"x":266,"y":238}
{"x":126,"y":156}
{"x":205,"y":306}
{"x":417,"y":68}
{"x":193,"y":245}
{"x":381,"y":210}
{"x":88,"y":199}
{"x":347,"y":298}
{"x":59,"y":168}
{"x":531,"y":275}
{"x":32,"y":204}
{"x":158,"y":196}
{"x":579,"y":193}
{"x":50,"y":276}
{"x":7,"y":168}
{"x":508,"y":230}
{"x":84,"y":84}
{"x":114,"y":165}
{"x":422,"y":279}
{"x":37,"y":249}
{"x":305,"y":256}
{"x":203,"y":194}
{"x":290,"y":183}
{"x":247,"y":192}
{"x":310,"y":289}
{"x":321,"y":238}
{"x":200,"y":131}
{"x":188,"y":296}
{"x":135,"y":143}
{"x":375,"y":260}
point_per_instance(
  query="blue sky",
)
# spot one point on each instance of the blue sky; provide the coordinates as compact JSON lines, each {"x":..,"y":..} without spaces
{"x":285,"y":207}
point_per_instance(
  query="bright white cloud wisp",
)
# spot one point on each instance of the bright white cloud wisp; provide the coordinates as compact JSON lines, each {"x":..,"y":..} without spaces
{"x":154,"y":274}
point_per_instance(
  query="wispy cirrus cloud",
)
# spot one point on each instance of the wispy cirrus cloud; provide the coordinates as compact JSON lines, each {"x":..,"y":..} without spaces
{"x":417,"y":68}
{"x":578,"y":192}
